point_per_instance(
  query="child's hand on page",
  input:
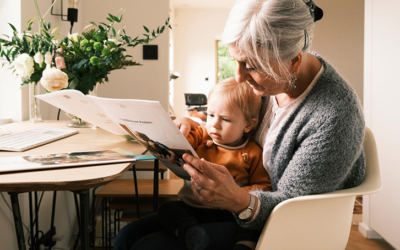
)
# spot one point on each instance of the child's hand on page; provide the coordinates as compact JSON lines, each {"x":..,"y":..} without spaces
{"x":185,"y":124}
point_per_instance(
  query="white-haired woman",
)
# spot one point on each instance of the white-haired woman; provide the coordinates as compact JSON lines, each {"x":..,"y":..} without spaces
{"x":311,"y":130}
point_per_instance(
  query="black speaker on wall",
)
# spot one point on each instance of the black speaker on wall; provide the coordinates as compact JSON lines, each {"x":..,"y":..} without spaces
{"x":150,"y":52}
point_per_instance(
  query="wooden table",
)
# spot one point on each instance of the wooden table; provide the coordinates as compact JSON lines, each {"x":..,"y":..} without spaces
{"x":78,"y":179}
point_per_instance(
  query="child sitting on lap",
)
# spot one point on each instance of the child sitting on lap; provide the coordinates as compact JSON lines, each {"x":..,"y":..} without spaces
{"x":232,"y":113}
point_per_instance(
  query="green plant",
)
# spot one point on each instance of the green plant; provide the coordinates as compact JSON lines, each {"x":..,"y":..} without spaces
{"x":90,"y":57}
{"x":226,"y":64}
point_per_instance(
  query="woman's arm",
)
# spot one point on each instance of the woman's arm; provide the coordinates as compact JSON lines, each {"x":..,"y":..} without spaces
{"x":326,"y":159}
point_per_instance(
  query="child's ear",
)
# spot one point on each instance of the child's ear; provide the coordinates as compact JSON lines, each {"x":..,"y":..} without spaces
{"x":250,"y":125}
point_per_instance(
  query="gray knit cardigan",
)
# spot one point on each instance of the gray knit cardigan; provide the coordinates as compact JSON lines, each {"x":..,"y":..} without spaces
{"x":319,"y":148}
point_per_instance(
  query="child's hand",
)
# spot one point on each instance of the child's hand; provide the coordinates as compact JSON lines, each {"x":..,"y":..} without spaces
{"x":185,"y":124}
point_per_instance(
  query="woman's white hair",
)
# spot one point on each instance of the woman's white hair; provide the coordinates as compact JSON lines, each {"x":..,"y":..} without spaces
{"x":270,"y":33}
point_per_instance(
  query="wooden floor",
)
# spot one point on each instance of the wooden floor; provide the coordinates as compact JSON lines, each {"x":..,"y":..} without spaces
{"x":358,"y":242}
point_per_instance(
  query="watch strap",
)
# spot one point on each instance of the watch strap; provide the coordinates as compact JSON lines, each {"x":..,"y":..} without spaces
{"x":252,"y":202}
{"x":249,"y":207}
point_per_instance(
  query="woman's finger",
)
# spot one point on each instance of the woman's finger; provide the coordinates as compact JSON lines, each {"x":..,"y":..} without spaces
{"x":209,"y":169}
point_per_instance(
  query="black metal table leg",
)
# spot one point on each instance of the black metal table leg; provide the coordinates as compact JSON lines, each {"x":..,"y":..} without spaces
{"x":53,"y":211}
{"x":94,"y":218}
{"x":155,"y":186}
{"x":18,"y":221}
{"x":136,"y":190}
{"x":84,"y":220}
{"x":103,"y":228}
{"x":33,"y":242}
{"x":79,"y":221}
{"x":109,"y":223}
{"x":36,"y":222}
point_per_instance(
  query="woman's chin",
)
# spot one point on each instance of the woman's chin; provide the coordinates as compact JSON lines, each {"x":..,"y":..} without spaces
{"x":260,"y":91}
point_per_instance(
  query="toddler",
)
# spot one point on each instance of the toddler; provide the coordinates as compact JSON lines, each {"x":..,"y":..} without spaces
{"x":233,"y":111}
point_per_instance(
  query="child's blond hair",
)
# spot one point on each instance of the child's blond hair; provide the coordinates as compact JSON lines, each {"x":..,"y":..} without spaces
{"x":239,"y":95}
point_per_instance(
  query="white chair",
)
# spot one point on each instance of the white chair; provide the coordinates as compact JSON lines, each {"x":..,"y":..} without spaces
{"x":322,"y":221}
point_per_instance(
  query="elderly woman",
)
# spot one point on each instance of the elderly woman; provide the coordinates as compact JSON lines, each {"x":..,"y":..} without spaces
{"x":311,"y":129}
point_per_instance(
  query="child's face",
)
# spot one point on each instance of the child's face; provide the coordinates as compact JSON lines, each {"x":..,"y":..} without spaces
{"x":225,"y":125}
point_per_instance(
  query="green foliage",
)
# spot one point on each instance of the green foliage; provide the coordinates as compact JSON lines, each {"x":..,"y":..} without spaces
{"x":84,"y":43}
{"x":226,"y":64}
{"x":90,"y":59}
{"x":94,"y":60}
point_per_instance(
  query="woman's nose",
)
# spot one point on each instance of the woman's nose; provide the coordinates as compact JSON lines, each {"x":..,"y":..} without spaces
{"x":242,"y":75}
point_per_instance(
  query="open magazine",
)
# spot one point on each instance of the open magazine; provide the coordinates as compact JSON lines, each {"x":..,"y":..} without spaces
{"x":70,"y":159}
{"x":146,"y":121}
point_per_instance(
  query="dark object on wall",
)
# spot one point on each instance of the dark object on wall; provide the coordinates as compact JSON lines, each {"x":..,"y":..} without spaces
{"x":72,"y":15}
{"x":150,"y":52}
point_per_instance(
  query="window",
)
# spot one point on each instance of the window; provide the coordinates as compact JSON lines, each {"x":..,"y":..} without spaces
{"x":226,"y":65}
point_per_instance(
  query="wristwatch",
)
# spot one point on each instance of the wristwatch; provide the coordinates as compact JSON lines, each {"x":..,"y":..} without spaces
{"x":248,"y":212}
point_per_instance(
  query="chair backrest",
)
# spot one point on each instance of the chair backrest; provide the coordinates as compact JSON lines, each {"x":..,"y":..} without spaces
{"x":321,"y":221}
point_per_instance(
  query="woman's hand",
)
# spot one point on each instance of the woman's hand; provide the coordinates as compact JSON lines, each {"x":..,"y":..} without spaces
{"x":218,"y":188}
{"x":185,"y":124}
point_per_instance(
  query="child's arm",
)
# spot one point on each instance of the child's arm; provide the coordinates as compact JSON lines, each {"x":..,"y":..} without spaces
{"x":258,"y":176}
{"x":195,"y":136}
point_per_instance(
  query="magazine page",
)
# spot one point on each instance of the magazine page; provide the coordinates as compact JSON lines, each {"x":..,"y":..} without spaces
{"x":71,"y":159}
{"x":77,"y":104}
{"x":151,"y":126}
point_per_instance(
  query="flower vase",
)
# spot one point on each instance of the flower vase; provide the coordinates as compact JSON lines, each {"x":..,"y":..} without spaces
{"x":34,"y":103}
{"x":77,"y":122}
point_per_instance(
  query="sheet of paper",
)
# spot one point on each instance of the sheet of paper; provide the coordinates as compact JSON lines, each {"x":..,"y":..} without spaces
{"x":70,"y":159}
{"x":77,"y":104}
{"x":150,"y":125}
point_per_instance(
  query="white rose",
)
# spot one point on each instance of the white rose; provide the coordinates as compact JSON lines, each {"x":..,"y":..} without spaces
{"x":56,"y":42}
{"x":24,"y":65}
{"x":54,"y":79}
{"x":73,"y":36}
{"x":48,"y":58}
{"x":38,"y":58}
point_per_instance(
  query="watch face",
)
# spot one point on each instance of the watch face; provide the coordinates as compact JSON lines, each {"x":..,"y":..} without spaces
{"x":245,"y":214}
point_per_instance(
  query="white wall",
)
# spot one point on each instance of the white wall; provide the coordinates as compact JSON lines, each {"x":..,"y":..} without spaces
{"x":195,"y":35}
{"x":382,"y":85}
{"x":10,"y":101}
{"x":339,"y":38}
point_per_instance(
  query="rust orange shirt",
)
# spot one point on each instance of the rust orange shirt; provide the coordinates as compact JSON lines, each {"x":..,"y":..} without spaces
{"x":244,"y":162}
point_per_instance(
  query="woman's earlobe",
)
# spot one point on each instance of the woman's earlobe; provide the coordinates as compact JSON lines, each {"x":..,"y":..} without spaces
{"x":296,"y":62}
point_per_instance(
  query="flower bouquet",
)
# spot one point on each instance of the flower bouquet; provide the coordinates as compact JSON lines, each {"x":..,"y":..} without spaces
{"x":82,"y":61}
